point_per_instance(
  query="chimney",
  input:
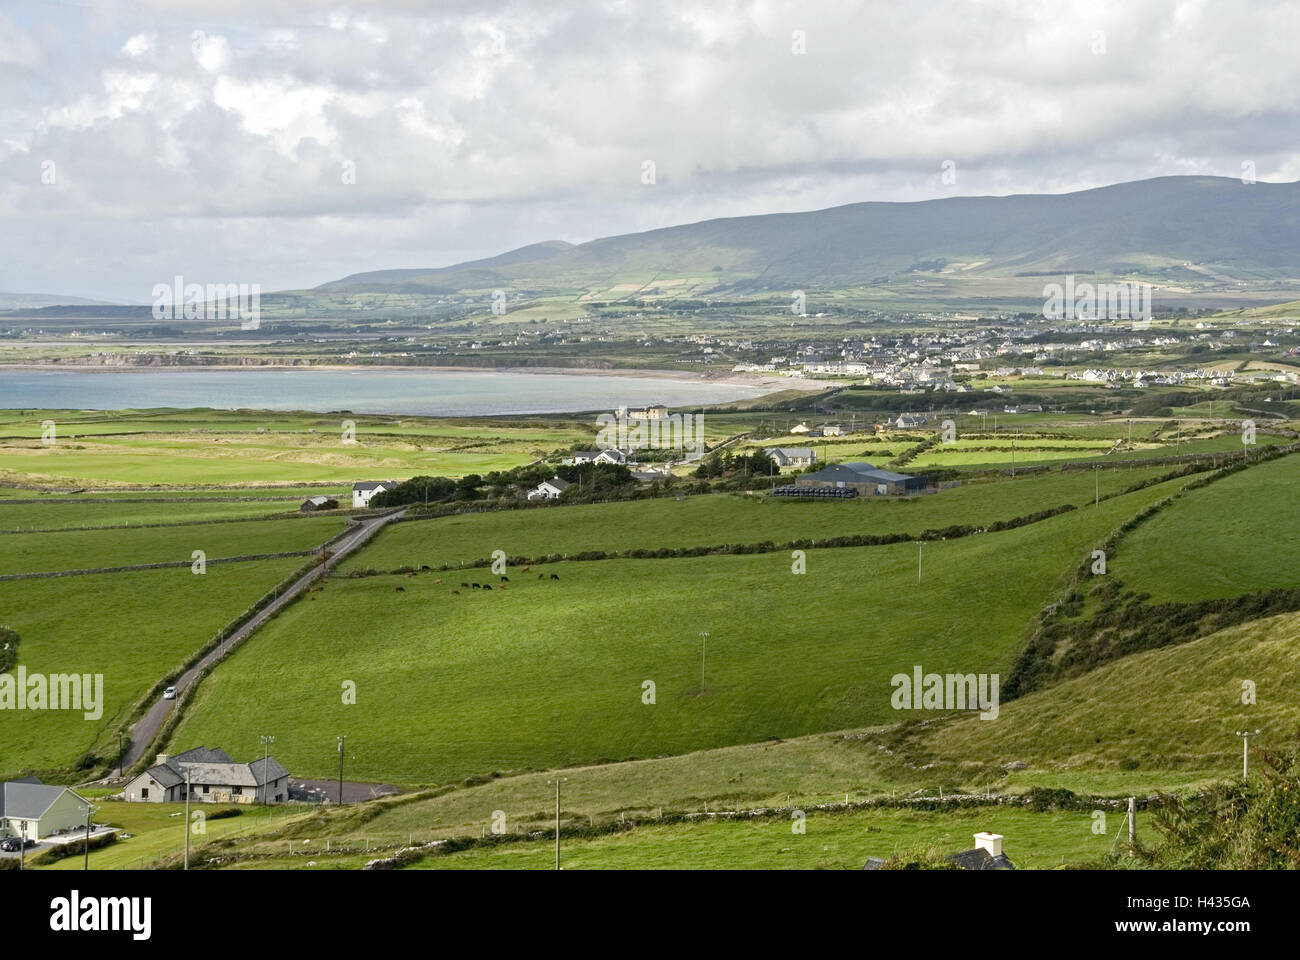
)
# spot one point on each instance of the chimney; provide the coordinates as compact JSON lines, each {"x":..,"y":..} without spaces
{"x":162,"y":758}
{"x":992,"y":842}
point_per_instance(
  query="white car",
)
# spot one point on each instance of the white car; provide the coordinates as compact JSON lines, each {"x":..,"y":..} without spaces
{"x":169,"y":693}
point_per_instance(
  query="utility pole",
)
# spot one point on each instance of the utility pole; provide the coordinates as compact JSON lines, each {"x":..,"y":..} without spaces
{"x":187,"y":818}
{"x":85,"y":864}
{"x":557,"y":783}
{"x":1132,"y":824}
{"x":920,"y":544}
{"x":342,"y":740}
{"x":704,"y":646}
{"x":1097,"y":487}
{"x":119,"y":753}
{"x":1245,"y":750}
{"x":266,"y":753}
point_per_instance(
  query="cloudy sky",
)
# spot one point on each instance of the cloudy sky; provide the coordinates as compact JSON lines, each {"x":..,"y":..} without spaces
{"x":289,"y":143}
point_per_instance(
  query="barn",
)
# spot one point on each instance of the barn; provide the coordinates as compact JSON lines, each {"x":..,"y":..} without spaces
{"x":866,"y":479}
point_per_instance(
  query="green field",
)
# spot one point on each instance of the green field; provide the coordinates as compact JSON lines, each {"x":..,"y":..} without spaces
{"x":90,"y":549}
{"x":1238,"y":535}
{"x":1165,"y":709}
{"x":131,"y":627}
{"x":713,"y":520}
{"x":69,"y":514}
{"x":550,"y":673}
{"x":832,"y":841}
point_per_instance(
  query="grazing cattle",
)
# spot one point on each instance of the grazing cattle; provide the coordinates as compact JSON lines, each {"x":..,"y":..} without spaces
{"x":477,"y":586}
{"x":555,"y":576}
{"x":464,"y":584}
{"x":505,"y":579}
{"x":401,"y":588}
{"x":425,"y":567}
{"x":439,"y":580}
{"x":526,"y":569}
{"x":457,"y":592}
{"x":541,"y":576}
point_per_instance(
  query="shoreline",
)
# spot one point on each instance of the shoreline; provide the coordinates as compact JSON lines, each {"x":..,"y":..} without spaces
{"x":763,"y":380}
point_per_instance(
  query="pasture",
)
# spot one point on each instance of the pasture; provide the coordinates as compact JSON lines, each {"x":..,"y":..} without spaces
{"x":131,"y":627}
{"x":551,"y":672}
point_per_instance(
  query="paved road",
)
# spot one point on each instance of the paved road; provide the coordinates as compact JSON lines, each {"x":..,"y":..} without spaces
{"x":147,"y":727}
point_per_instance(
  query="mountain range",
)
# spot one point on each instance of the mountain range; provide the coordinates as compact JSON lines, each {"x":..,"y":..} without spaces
{"x":1190,"y":230}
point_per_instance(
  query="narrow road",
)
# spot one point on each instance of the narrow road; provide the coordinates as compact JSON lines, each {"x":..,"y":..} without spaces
{"x":147,"y":727}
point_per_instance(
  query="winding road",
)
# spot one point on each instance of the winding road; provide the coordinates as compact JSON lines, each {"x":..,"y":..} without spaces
{"x":147,"y":727}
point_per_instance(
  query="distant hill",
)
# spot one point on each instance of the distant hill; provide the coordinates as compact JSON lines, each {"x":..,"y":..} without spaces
{"x":34,"y":301}
{"x":1203,"y":232}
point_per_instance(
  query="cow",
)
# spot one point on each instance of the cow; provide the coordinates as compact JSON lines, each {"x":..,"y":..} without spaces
{"x":477,"y":586}
{"x":457,"y":592}
{"x":401,"y":588}
{"x":439,"y":580}
{"x":425,"y":567}
{"x":555,"y":576}
{"x":464,"y":584}
{"x":505,"y":579}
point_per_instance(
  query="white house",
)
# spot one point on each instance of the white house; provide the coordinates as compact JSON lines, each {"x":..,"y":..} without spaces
{"x":365,"y":489}
{"x":617,"y":457}
{"x":549,"y":489}
{"x":213,"y":778}
{"x":30,"y":809}
{"x":911,"y":421}
{"x":793,"y":456}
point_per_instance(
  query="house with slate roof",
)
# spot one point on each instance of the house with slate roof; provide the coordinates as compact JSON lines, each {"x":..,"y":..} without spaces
{"x":214,"y":778}
{"x":30,"y":809}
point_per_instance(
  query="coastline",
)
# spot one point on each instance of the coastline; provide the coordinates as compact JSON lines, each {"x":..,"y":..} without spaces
{"x":763,"y":380}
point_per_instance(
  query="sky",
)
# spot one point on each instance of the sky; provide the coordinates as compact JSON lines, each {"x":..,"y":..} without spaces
{"x":287,"y":144}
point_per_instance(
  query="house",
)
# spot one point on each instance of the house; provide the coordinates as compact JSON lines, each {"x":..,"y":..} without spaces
{"x":799,"y":428}
{"x":319,"y":503}
{"x":911,"y":421}
{"x":832,"y":430}
{"x":363,"y":491}
{"x":213,"y":777}
{"x":30,"y":809}
{"x":793,"y":456}
{"x":654,"y":411}
{"x":549,"y":489}
{"x":864,"y":478}
{"x":987,"y":855}
{"x":586,"y":456}
{"x":617,"y":457}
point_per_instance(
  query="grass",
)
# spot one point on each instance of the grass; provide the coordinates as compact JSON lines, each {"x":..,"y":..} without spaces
{"x":1176,"y":707}
{"x":720,"y":519}
{"x":88,"y":549}
{"x":832,"y":841}
{"x":131,"y":627}
{"x":550,"y":673}
{"x":1238,"y":535}
{"x":69,"y":514}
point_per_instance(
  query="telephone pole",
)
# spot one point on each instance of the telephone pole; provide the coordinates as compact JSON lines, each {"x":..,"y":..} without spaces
{"x":342,"y":740}
{"x":266,"y":753}
{"x":557,"y":783}
{"x":187,"y":818}
{"x":1245,"y":750}
{"x":704,"y":646}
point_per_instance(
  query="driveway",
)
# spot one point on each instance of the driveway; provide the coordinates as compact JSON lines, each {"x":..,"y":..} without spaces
{"x":147,"y":727}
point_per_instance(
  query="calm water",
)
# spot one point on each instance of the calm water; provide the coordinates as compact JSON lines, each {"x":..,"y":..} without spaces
{"x":425,"y":392}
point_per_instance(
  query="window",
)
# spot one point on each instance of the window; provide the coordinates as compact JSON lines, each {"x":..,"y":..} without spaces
{"x":144,"y":793}
{"x":236,"y":791}
{"x":206,"y":788}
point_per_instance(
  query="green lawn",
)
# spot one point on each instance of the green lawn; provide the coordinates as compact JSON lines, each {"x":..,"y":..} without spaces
{"x":68,"y":514}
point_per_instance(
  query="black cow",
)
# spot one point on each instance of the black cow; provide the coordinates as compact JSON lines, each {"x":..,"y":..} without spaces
{"x":555,"y":576}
